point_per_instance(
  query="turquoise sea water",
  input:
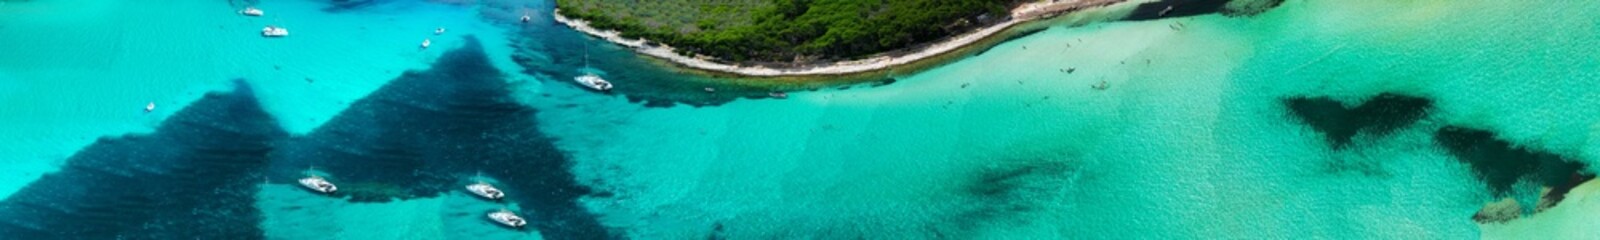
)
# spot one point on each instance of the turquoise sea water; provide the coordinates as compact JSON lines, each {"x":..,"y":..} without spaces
{"x":1193,"y":139}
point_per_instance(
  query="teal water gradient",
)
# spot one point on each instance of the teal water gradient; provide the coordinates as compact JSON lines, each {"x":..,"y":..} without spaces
{"x":1191,"y":140}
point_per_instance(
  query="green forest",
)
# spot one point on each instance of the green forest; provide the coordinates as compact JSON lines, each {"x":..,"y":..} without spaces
{"x":786,"y":30}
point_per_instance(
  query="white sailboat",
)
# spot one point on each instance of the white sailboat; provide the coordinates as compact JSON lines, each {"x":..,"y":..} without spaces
{"x":483,"y":189}
{"x":508,"y":218}
{"x":273,"y":31}
{"x":251,"y":11}
{"x":590,"y":79}
{"x":317,"y":183}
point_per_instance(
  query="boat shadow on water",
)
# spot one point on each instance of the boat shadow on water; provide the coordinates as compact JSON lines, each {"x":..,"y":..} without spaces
{"x":415,"y":137}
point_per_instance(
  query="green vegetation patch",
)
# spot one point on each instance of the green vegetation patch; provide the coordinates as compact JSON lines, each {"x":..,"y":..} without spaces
{"x":787,"y":30}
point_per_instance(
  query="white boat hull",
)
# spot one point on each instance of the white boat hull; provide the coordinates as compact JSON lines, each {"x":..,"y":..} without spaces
{"x":594,"y":82}
{"x":274,"y":32}
{"x":508,"y":219}
{"x":486,"y":191}
{"x":318,"y":184}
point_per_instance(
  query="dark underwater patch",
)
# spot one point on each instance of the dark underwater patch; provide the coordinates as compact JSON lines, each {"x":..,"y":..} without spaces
{"x":426,"y":133}
{"x":1004,"y":192}
{"x":1185,"y":8}
{"x":347,"y":5}
{"x":1378,"y":116}
{"x":193,"y":178}
{"x":1180,"y":8}
{"x":1500,"y":164}
{"x":554,"y":51}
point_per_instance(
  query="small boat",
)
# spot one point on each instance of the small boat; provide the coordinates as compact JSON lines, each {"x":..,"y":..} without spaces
{"x":150,"y":107}
{"x":272,"y":31}
{"x":590,"y":79}
{"x":526,"y":18}
{"x":483,"y":189}
{"x":711,"y":90}
{"x":251,"y":11}
{"x":438,"y":31}
{"x":594,"y":82}
{"x":508,"y":218}
{"x":316,"y":183}
{"x":778,"y":94}
{"x":1164,"y":12}
{"x":426,"y":42}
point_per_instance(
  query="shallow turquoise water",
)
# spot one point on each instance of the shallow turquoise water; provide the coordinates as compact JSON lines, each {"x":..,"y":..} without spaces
{"x":1191,"y":140}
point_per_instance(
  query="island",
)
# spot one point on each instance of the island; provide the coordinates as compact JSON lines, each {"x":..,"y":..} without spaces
{"x":771,"y":38}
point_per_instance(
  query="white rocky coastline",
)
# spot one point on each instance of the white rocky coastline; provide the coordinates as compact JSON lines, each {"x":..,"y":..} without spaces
{"x":1025,"y":13}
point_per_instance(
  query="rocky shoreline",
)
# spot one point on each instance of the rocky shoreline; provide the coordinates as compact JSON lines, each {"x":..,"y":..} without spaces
{"x":1021,"y":14}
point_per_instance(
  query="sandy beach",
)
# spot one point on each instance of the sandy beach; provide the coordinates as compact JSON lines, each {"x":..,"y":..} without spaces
{"x":1021,"y":14}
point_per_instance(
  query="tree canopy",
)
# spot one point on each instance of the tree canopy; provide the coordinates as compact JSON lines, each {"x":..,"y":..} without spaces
{"x":782,"y":30}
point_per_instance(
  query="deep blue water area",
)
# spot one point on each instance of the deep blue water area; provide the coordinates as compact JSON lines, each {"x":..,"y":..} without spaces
{"x":194,"y":177}
{"x":430,"y":132}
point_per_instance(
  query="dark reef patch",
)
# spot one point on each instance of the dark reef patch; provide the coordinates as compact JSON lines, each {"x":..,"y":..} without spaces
{"x":555,"y":53}
{"x":193,"y":178}
{"x":1500,"y":164}
{"x":1185,"y":8}
{"x":428,"y":132}
{"x":347,"y":5}
{"x":1003,"y":192}
{"x":1180,"y":8}
{"x":1378,"y":116}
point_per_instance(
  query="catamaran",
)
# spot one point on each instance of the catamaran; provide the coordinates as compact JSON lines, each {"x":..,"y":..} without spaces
{"x":483,"y":189}
{"x":272,"y":31}
{"x":590,"y":79}
{"x":508,"y":218}
{"x":251,"y":11}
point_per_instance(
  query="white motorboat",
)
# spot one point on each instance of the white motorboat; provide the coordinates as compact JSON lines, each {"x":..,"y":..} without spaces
{"x":316,"y":183}
{"x":438,"y":31}
{"x":483,"y":189}
{"x":508,"y":218}
{"x":426,"y":42}
{"x":594,"y":82}
{"x":251,"y":11}
{"x":778,"y":94}
{"x":272,"y":31}
{"x":150,"y":107}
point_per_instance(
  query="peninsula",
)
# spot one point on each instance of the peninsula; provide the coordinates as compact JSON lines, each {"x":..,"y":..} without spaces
{"x":773,"y":38}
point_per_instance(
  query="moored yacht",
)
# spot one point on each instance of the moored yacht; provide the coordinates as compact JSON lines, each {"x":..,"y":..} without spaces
{"x":590,"y":79}
{"x":272,"y":31}
{"x":317,"y":183}
{"x":251,"y":11}
{"x":593,"y":82}
{"x":426,"y":42}
{"x":483,"y":189}
{"x":508,"y":218}
{"x":438,"y":31}
{"x":778,"y":94}
{"x":150,"y":107}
